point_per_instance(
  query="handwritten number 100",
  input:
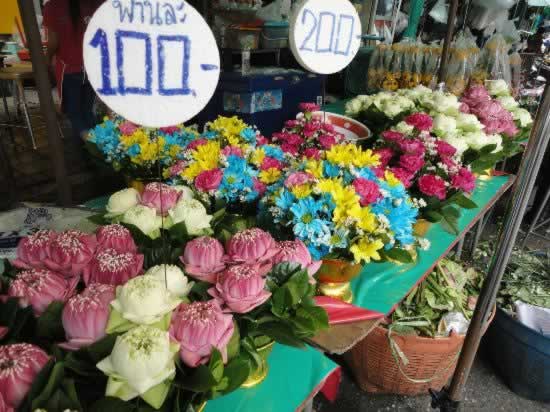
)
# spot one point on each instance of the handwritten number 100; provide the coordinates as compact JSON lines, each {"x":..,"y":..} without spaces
{"x":339,"y":44}
{"x":100,"y":41}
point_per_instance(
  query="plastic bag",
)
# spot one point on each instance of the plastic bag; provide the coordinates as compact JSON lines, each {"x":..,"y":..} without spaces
{"x":497,"y":61}
{"x":431,"y":63}
{"x":376,"y":68}
{"x":389,"y":82}
{"x":515,"y":70}
{"x":406,"y":66}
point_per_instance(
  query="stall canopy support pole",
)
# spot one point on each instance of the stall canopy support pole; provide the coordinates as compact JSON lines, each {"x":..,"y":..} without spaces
{"x":447,"y":43}
{"x":416,"y":8}
{"x":449,"y":398}
{"x":43,"y":86}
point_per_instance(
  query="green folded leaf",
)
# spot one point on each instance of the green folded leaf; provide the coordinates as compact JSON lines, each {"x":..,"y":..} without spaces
{"x":216,"y":364}
{"x":49,"y":325}
{"x":317,"y":314}
{"x":250,"y":349}
{"x":281,"y":333}
{"x":236,"y":372}
{"x":234,"y":345}
{"x":400,"y":255}
{"x":178,"y":233}
{"x":464,"y":202}
{"x":282,"y":272}
{"x":433,"y":216}
{"x":200,"y":380}
{"x":157,"y":394}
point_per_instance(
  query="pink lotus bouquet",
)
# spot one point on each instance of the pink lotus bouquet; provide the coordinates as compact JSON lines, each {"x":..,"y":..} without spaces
{"x":430,"y":168}
{"x":307,"y":135}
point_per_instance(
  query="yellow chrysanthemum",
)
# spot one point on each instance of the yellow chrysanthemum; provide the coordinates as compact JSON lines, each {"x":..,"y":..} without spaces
{"x":301,"y":191}
{"x":365,"y":250}
{"x":270,"y":175}
{"x":365,"y":158}
{"x":207,"y":155}
{"x":228,"y":127}
{"x":174,"y":151}
{"x":192,"y":171}
{"x":329,"y":185}
{"x":341,"y":154}
{"x":315,"y":168}
{"x":391,"y":179}
{"x":258,"y":156}
{"x":367,"y":220}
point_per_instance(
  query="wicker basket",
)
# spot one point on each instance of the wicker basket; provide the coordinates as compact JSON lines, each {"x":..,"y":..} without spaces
{"x":431,"y":362}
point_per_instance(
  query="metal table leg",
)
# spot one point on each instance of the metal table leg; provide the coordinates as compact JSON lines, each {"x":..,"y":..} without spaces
{"x":477,"y":234}
{"x":459,"y":247}
{"x":7,"y":111}
{"x":534,"y":224}
{"x":21,"y":90}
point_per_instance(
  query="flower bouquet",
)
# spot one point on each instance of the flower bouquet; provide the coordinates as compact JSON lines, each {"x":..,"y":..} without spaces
{"x":107,"y":332}
{"x":136,"y":151}
{"x":429,"y":168}
{"x":306,"y":136}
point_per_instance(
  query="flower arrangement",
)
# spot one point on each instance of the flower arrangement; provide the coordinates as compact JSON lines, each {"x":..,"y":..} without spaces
{"x":110,"y":329}
{"x":306,"y":136}
{"x":430,"y":168}
{"x":136,"y":151}
{"x":344,"y":206}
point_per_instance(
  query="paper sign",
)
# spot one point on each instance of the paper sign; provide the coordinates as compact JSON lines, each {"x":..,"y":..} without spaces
{"x":325,"y":35}
{"x":154,"y":62}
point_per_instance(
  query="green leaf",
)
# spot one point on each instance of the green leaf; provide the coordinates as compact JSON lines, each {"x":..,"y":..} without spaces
{"x":250,"y":348}
{"x":281,"y":333}
{"x":282,"y":272}
{"x":433,"y":216}
{"x":201,"y":380}
{"x":179,"y":233}
{"x":216,"y":364}
{"x":234,"y":345}
{"x":400,"y":255}
{"x":49,"y":325}
{"x":280,"y":302}
{"x":236,"y":372}
{"x":111,"y":404}
{"x":140,"y":238}
{"x":449,"y":222}
{"x":99,"y":219}
{"x":315,"y":313}
{"x":464,"y":202}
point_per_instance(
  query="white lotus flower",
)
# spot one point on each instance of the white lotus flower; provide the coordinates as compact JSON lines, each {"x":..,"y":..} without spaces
{"x":121,"y":201}
{"x":173,"y":278}
{"x":144,"y":218}
{"x":193,"y":214}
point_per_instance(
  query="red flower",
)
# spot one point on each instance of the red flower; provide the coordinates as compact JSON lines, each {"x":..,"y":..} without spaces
{"x":312,"y":153}
{"x":412,"y":146}
{"x":464,"y":180}
{"x":392,"y":136}
{"x":444,"y":149}
{"x":196,"y":143}
{"x":208,"y":180}
{"x":327,"y":141}
{"x":385,"y":154}
{"x":288,"y":148}
{"x":411,"y":162}
{"x":403,"y":175}
{"x":367,"y":190}
{"x":421,"y":121}
{"x":270,"y":163}
{"x":309,"y":107}
{"x":259,"y":187}
{"x":432,"y":185}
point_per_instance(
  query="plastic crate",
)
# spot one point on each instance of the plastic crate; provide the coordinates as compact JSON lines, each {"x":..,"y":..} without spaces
{"x":520,"y":355}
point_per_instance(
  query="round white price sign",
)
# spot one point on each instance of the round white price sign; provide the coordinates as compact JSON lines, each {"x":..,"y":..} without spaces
{"x":154,"y":62}
{"x":325,"y":35}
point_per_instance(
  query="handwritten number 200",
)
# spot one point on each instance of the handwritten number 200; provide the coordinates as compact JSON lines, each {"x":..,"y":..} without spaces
{"x":100,"y":41}
{"x":336,"y":45}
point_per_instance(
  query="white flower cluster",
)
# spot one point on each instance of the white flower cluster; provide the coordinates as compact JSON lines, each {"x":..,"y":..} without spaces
{"x":390,"y":104}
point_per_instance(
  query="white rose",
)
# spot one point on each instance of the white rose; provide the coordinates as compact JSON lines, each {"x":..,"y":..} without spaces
{"x":144,"y":218}
{"x":468,"y":122}
{"x":392,"y":109}
{"x":445,"y":103}
{"x":353,"y":107}
{"x":173,"y":277}
{"x":444,"y":125}
{"x":193,"y":214}
{"x":405,"y":128}
{"x":121,"y":201}
{"x":141,"y":359}
{"x":508,"y":102}
{"x":365,"y":99}
{"x":497,"y":87}
{"x":186,"y":192}
{"x":523,"y":117}
{"x":458,"y":142}
{"x":478,"y":140}
{"x":144,"y":300}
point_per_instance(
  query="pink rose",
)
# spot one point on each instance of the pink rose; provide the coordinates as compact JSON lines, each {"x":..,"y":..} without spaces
{"x":312,"y":153}
{"x":196,"y":143}
{"x":113,"y":268}
{"x":33,"y":250}
{"x":432,"y":185}
{"x":271,"y":163}
{"x":298,"y":179}
{"x":308,"y":107}
{"x":404,"y":175}
{"x":85,"y":317}
{"x":421,"y":121}
{"x":40,"y":287}
{"x":70,"y":251}
{"x":327,"y":141}
{"x":251,"y":246}
{"x":204,"y":258}
{"x":385,"y":154}
{"x":296,"y":251}
{"x":169,"y":129}
{"x":19,"y":365}
{"x":475,"y":95}
{"x":115,"y":237}
{"x":198,"y":327}
{"x":368,"y":191}
{"x":464,"y":180}
{"x":412,"y":146}
{"x":288,"y":148}
{"x":160,"y":196}
{"x":444,"y":149}
{"x":392,"y":136}
{"x":259,"y":187}
{"x":241,"y":288}
{"x":127,"y":128}
{"x":209,"y":180}
{"x":232,"y":151}
{"x":411,"y":162}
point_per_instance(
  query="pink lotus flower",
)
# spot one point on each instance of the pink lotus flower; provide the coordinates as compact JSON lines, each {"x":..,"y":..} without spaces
{"x":464,"y":108}
{"x":85,"y":317}
{"x":40,"y":287}
{"x":411,"y":162}
{"x":327,"y":141}
{"x":297,"y":252}
{"x":169,"y":129}
{"x":385,"y":154}
{"x":232,"y":151}
{"x":259,"y":187}
{"x":475,"y":95}
{"x":421,"y":121}
{"x":19,"y":365}
{"x":444,"y":149}
{"x":298,"y":179}
{"x":392,"y":136}
{"x":312,"y":153}
{"x":33,"y":250}
{"x":288,"y":148}
{"x":405,"y":176}
{"x":368,"y":191}
{"x":241,"y":288}
{"x":251,"y":246}
{"x":160,"y":196}
{"x":113,"y":268}
{"x":509,"y":128}
{"x":198,"y":327}
{"x":271,"y":163}
{"x":127,"y":128}
{"x":432,"y":185}
{"x":115,"y":237}
{"x":412,"y":146}
{"x":204,"y":258}
{"x":209,"y":180}
{"x":3,"y":406}
{"x":308,"y":107}
{"x":100,"y":291}
{"x":464,"y":180}
{"x":196,"y":143}
{"x":70,"y":251}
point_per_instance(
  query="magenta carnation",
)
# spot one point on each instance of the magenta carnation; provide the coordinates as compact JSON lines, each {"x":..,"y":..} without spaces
{"x":421,"y":121}
{"x":196,"y":143}
{"x":312,"y":153}
{"x":368,"y":191}
{"x":464,"y":180}
{"x":232,"y":151}
{"x":404,"y":175}
{"x":475,"y":95}
{"x":385,"y":154}
{"x":412,"y":146}
{"x":308,"y":107}
{"x":432,"y":185}
{"x":297,"y":179}
{"x":411,"y":162}
{"x":271,"y":163}
{"x":327,"y":141}
{"x":444,"y":149}
{"x":127,"y":128}
{"x":208,"y":180}
{"x":392,"y":136}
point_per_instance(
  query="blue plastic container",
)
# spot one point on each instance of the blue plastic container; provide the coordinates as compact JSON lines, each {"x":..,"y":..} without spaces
{"x":520,"y":355}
